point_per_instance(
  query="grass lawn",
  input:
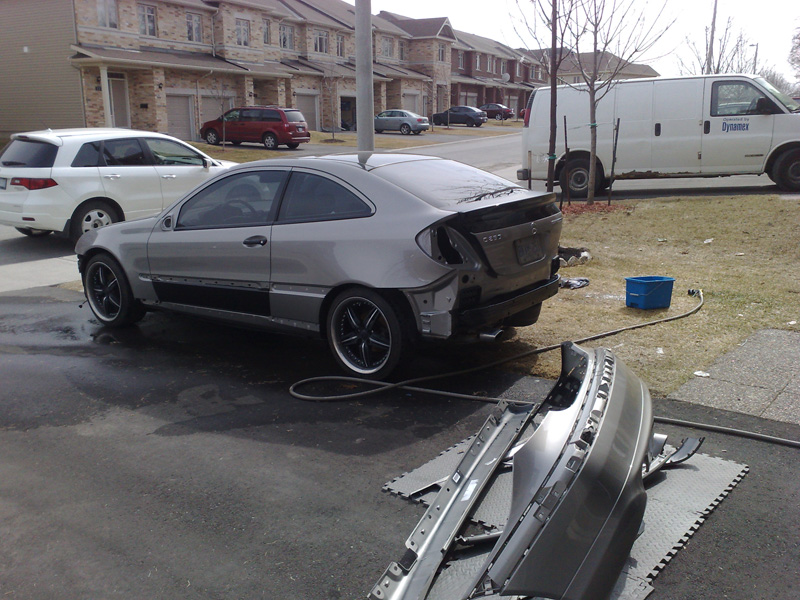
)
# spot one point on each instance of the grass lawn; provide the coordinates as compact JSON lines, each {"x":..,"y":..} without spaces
{"x":742,"y":251}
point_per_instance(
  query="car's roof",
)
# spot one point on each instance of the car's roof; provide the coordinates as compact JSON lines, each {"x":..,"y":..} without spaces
{"x":363,"y":160}
{"x":57,"y":137}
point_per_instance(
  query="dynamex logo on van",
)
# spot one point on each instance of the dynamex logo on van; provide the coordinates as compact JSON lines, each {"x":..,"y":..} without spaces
{"x":739,"y":124}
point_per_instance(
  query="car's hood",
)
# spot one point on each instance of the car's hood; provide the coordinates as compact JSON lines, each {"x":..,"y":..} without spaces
{"x":577,"y":498}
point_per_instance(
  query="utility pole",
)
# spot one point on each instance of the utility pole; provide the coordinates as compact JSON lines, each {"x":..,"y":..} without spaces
{"x":709,"y":68}
{"x":365,"y":119}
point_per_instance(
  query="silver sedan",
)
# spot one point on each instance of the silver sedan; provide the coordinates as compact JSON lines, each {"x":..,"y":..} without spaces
{"x":370,"y":251}
{"x":403,"y":121}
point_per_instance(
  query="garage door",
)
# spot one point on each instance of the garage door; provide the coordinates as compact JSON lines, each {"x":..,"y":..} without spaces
{"x":410,"y":102}
{"x":307,"y":103}
{"x":472,"y":99}
{"x":179,"y":117}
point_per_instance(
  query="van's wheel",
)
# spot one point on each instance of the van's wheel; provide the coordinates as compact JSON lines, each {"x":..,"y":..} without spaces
{"x":33,"y":232}
{"x":578,"y":172}
{"x":293,"y":145}
{"x":212,"y":137}
{"x":270,"y":141}
{"x":91,"y":215}
{"x":405,"y":129}
{"x":109,"y":293}
{"x":367,"y":334}
{"x":786,"y":172}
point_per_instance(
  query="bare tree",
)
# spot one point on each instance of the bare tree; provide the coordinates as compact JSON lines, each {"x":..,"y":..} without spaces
{"x":778,"y":80}
{"x":618,"y":28}
{"x":794,"y":55}
{"x":727,"y":52}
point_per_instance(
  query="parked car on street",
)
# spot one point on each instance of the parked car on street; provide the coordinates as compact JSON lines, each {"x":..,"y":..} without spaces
{"x":74,"y":180}
{"x":499,"y":112}
{"x":403,"y":121}
{"x":461,"y":115}
{"x":269,"y":125}
{"x":370,"y":252}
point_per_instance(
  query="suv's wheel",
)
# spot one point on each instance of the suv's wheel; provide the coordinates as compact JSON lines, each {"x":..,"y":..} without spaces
{"x":405,"y":128}
{"x":33,"y":232}
{"x":91,"y":215}
{"x":786,"y":172}
{"x":109,"y":293}
{"x":577,"y":170}
{"x":366,"y":333}
{"x":270,"y":141}
{"x":212,"y":137}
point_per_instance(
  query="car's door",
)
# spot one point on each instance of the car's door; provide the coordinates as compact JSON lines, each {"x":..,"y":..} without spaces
{"x":457,"y":115}
{"x":318,"y":228}
{"x":180,"y":167}
{"x":212,"y":251}
{"x":233,"y":128}
{"x":129,"y":177}
{"x":737,"y":134}
{"x":382,"y":121}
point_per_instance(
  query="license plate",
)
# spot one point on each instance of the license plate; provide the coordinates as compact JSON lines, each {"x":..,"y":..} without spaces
{"x":300,"y":129}
{"x":2,"y":183}
{"x":528,"y":250}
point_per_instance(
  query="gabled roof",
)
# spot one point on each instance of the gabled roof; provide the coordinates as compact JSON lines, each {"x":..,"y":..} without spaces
{"x":608,"y":63}
{"x":477,"y":43}
{"x":436,"y":27}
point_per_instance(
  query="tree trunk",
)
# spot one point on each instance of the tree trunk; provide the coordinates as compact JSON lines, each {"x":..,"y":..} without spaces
{"x":592,"y":145}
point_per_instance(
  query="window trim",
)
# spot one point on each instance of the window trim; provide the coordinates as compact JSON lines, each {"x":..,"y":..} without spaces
{"x":321,"y":41}
{"x":242,"y":27}
{"x":144,"y":11}
{"x":340,"y":42}
{"x":105,"y":10}
{"x":277,"y":216}
{"x":286,"y":36}
{"x":267,"y":36}
{"x":194,"y":25}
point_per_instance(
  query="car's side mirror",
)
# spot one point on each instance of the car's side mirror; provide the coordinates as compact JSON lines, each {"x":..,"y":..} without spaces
{"x":207,"y":163}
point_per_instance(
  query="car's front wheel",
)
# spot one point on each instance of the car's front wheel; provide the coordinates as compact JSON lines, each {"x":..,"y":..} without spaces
{"x":787,"y":171}
{"x":417,"y":132}
{"x":92,"y":215}
{"x":212,"y":137}
{"x":379,"y":131}
{"x":33,"y":232}
{"x":367,"y":334}
{"x":270,"y":141}
{"x":109,"y":293}
{"x":405,"y":129}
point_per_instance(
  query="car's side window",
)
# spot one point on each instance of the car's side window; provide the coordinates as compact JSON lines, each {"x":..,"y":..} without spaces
{"x":734,"y":98}
{"x":270,"y":115}
{"x":88,"y":155}
{"x":384,"y":114}
{"x":231,"y":115}
{"x":311,"y":197}
{"x":250,"y":114}
{"x":167,"y":152}
{"x":239,"y":200}
{"x":125,"y":152}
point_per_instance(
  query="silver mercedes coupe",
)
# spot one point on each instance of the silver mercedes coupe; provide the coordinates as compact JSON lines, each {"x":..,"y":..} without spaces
{"x":373,"y":252}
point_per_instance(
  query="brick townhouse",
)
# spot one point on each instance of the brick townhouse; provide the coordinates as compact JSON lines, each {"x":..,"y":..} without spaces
{"x":170,"y":65}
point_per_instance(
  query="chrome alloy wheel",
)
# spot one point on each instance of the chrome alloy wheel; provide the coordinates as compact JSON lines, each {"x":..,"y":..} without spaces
{"x":103,"y":291}
{"x":361,"y":335}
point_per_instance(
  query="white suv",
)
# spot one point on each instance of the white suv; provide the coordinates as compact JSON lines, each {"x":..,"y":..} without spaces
{"x":74,"y":180}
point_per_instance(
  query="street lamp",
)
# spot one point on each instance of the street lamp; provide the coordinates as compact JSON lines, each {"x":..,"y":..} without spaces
{"x":755,"y":59}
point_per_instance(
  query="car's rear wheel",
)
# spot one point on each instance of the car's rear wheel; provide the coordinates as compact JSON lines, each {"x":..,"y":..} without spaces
{"x":293,"y":145}
{"x":270,"y":141}
{"x":109,"y":293}
{"x":498,"y":117}
{"x":33,"y":232}
{"x":417,"y":132}
{"x":236,"y":143}
{"x":212,"y":137}
{"x":575,"y":174}
{"x":405,"y":129}
{"x":379,"y":131}
{"x":91,"y":215}
{"x":787,"y":171}
{"x":471,"y":123}
{"x":366,"y":333}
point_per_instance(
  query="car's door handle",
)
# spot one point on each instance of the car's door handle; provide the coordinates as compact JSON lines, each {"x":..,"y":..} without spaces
{"x":169,"y":176}
{"x":706,"y":126}
{"x":658,"y":129}
{"x":112,"y":176}
{"x":256,"y":240}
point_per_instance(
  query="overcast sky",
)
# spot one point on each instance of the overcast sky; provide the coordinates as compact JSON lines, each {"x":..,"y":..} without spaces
{"x":768,"y":23}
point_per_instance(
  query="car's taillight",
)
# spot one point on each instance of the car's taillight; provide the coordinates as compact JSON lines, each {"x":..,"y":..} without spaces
{"x":526,"y":120}
{"x":447,"y":246}
{"x":420,"y":120}
{"x":33,"y":183}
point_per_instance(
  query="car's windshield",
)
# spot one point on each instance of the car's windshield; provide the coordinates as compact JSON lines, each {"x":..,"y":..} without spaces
{"x":784,"y":99}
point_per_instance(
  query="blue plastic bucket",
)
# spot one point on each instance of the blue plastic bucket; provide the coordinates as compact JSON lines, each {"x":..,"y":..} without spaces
{"x":648,"y":292}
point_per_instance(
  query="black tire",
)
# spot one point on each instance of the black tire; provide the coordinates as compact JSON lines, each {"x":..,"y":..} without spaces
{"x":109,"y":293}
{"x":417,"y":132}
{"x":578,"y":170}
{"x":293,"y":145}
{"x":405,"y":129}
{"x":786,"y":172}
{"x":236,"y":143}
{"x":478,"y":123}
{"x":471,"y":123}
{"x":33,"y":232}
{"x":212,"y":137}
{"x":379,"y":131}
{"x":91,"y":215}
{"x":367,"y":334}
{"x":270,"y":141}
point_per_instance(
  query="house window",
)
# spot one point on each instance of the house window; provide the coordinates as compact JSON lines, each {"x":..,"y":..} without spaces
{"x":441,"y":52}
{"x":387,"y":47}
{"x":194,"y":27}
{"x":242,"y":32}
{"x":402,"y":47}
{"x":339,"y":44}
{"x":576,"y":79}
{"x":477,"y":60}
{"x":503,"y":66}
{"x":519,"y":69}
{"x":107,"y":13}
{"x":320,"y":41}
{"x":147,"y":19}
{"x":265,"y":25}
{"x":460,"y":60}
{"x":287,"y":37}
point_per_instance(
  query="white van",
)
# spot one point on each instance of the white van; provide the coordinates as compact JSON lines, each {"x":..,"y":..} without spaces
{"x":704,"y":126}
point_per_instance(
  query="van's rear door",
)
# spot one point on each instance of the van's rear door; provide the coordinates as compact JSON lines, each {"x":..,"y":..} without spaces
{"x":735,"y":138}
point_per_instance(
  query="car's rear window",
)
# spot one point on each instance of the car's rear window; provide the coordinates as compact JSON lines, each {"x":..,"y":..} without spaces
{"x":28,"y":153}
{"x":294,"y":116}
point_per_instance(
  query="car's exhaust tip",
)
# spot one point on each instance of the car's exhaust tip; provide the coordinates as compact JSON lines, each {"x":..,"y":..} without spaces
{"x":496,"y":335}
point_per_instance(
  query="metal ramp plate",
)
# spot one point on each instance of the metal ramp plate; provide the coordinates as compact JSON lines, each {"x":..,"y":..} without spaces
{"x":678,"y":501}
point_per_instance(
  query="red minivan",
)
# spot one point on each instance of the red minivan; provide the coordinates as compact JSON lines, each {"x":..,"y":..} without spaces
{"x":268,"y":125}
